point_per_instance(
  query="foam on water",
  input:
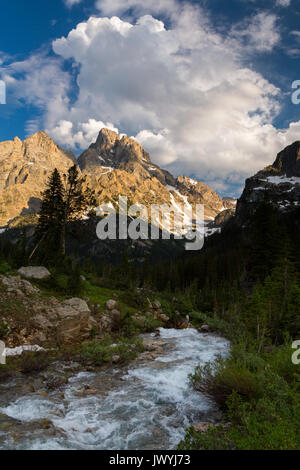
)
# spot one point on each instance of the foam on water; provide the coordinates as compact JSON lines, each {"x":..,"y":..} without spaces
{"x":148,"y":409}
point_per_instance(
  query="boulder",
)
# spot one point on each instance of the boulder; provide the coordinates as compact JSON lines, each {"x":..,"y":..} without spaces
{"x":50,"y":322}
{"x":203,"y":426}
{"x":156,"y":305}
{"x":183,"y":326}
{"x":204,"y":329}
{"x":140,"y":318}
{"x":16,"y":285}
{"x":164,"y":318}
{"x":106,"y":323}
{"x":111,"y":304}
{"x":93,"y":323}
{"x":34,"y":272}
{"x":78,"y":304}
{"x":39,"y":338}
{"x":56,"y":382}
{"x":116,"y":314}
{"x":42,"y":322}
{"x":75,"y":321}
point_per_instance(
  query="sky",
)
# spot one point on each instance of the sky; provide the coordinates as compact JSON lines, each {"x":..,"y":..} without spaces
{"x":204,"y":85}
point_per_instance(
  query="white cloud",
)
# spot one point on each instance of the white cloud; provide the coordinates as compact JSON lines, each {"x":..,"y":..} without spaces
{"x":183,"y":91}
{"x":260,"y":32}
{"x":39,"y":81}
{"x":296,"y":34}
{"x":86,"y":133}
{"x":138,"y":7}
{"x":283,"y":3}
{"x":71,"y":3}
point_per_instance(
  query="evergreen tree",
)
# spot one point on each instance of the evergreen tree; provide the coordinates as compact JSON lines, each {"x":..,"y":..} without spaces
{"x":62,"y":203}
{"x":51,"y":215}
{"x":78,"y":199}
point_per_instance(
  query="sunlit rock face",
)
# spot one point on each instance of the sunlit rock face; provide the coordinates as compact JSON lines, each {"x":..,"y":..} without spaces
{"x":117,"y":164}
{"x":113,"y":165}
{"x":24,"y":171}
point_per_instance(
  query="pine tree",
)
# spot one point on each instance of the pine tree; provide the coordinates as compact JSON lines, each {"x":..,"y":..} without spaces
{"x":62,"y":203}
{"x":51,"y":214}
{"x":78,"y":199}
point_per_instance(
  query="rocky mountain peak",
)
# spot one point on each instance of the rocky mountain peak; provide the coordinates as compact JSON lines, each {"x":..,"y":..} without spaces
{"x":106,"y":140}
{"x":287,"y":162}
{"x":193,"y":184}
{"x":279,"y":183}
{"x":113,"y":151}
{"x":25,"y":169}
{"x":17,"y":141}
{"x":41,"y":142}
{"x":40,"y":138}
{"x":113,"y":165}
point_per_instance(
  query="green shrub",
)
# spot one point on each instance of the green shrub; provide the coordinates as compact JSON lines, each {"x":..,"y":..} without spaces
{"x":74,"y":283}
{"x":4,"y":268}
{"x":259,"y":393}
{"x":4,"y":328}
{"x":33,"y":361}
{"x":98,"y":352}
{"x":224,"y":377}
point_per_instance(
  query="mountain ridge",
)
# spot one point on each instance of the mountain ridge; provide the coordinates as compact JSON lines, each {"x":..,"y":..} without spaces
{"x":113,"y":165}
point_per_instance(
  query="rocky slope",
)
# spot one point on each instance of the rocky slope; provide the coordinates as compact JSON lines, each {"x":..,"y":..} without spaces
{"x":24,"y":170}
{"x":278,"y":183}
{"x":31,"y":315}
{"x":114,"y":165}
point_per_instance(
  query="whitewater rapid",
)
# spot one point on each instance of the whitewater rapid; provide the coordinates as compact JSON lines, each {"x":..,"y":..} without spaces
{"x":145,"y":406}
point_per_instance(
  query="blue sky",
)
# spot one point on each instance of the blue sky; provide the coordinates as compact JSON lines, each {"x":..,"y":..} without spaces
{"x":204,"y":85}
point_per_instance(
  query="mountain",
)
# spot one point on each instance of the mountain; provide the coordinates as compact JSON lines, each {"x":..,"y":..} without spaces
{"x":117,"y":165}
{"x":24,"y":170}
{"x":111,"y":151}
{"x":114,"y":165}
{"x":278,"y":183}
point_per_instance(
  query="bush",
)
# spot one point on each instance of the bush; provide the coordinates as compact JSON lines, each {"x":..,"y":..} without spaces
{"x":33,"y":361}
{"x":74,"y":283}
{"x":4,"y":328}
{"x":98,"y":352}
{"x":259,"y":393}
{"x":4,"y":268}
{"x":223,"y":377}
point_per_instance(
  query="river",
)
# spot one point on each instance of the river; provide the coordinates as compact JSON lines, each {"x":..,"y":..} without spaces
{"x":146,"y":405}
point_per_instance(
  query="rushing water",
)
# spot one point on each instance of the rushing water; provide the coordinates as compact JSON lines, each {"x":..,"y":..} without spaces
{"x":145,"y":406}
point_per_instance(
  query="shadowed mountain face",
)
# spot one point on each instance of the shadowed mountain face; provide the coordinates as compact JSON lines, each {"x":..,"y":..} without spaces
{"x":278,"y":183}
{"x":114,"y":165}
{"x":287,"y":162}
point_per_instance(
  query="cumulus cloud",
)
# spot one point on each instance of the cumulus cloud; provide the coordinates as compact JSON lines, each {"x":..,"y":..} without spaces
{"x":86,"y":132}
{"x":182,"y":90}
